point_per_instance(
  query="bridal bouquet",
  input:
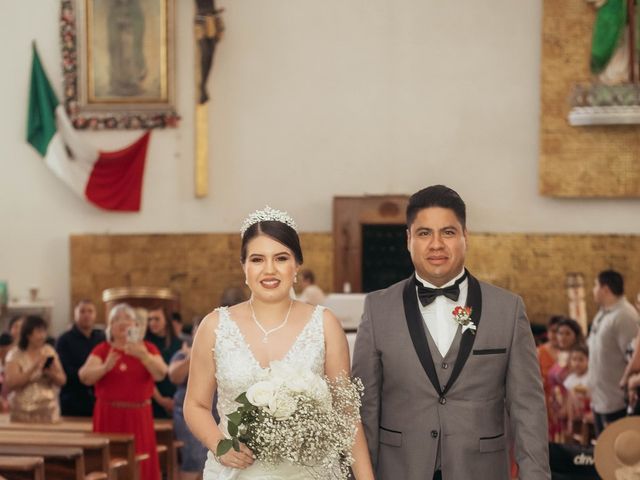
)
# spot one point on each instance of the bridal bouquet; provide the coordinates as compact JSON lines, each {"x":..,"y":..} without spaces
{"x":298,"y":417}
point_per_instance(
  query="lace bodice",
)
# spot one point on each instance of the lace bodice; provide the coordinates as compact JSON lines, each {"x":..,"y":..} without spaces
{"x":237,"y":368}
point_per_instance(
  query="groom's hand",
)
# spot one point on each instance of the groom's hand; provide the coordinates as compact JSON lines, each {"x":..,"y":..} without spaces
{"x":241,"y":459}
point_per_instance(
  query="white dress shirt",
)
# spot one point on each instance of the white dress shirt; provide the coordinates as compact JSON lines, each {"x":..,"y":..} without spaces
{"x":438,"y":315}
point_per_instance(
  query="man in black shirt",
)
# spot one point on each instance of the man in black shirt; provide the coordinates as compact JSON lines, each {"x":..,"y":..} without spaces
{"x":73,"y":347}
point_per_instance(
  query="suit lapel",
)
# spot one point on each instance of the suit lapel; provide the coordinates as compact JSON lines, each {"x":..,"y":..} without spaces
{"x":417,"y":332}
{"x":474,"y":300}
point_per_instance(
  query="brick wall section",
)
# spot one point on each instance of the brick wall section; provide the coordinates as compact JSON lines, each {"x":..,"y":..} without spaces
{"x":600,"y":161}
{"x":200,"y":266}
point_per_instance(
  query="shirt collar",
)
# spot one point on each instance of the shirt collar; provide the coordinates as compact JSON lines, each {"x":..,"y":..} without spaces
{"x":613,"y":306}
{"x":451,"y":282}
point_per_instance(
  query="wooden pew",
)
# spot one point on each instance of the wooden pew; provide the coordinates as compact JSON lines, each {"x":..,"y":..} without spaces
{"x":60,"y":463}
{"x":163,"y":428}
{"x":95,"y":449}
{"x":22,"y":468}
{"x":121,"y":445}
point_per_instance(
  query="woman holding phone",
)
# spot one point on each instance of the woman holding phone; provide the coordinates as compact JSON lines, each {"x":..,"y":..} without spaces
{"x":124,"y":370}
{"x":34,"y":375}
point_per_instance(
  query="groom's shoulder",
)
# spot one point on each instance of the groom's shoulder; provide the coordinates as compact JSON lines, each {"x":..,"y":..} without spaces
{"x":491,"y":291}
{"x":392,"y":292}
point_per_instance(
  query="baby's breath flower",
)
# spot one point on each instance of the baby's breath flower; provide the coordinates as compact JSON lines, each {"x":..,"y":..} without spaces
{"x":310,"y":428}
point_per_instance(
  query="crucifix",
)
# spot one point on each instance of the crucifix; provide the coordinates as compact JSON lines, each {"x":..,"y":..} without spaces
{"x":208,"y":29}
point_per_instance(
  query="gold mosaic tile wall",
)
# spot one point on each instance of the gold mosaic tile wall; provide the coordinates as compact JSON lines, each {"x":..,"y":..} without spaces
{"x":599,"y":161}
{"x":200,"y":266}
{"x":196,"y":266}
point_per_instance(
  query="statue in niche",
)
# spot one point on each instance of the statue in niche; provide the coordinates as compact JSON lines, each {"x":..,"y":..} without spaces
{"x":127,"y":65}
{"x":616,"y":41}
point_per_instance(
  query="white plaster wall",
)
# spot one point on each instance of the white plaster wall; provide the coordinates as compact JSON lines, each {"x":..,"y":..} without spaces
{"x":311,"y":99}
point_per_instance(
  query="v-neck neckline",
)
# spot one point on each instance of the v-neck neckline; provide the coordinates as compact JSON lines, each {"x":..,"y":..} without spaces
{"x":289,"y":350}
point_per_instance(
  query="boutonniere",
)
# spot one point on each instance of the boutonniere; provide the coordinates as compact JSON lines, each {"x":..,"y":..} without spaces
{"x":462,"y":316}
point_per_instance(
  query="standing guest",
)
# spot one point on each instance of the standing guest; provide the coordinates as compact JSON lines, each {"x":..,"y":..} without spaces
{"x":569,"y":334}
{"x":632,"y":372}
{"x":193,"y":453}
{"x":34,"y":375}
{"x":612,"y":330}
{"x":232,"y":296}
{"x":576,"y":384}
{"x":548,"y":351}
{"x":74,"y":347}
{"x":161,"y":333}
{"x":177,"y":324}
{"x":123,"y":370}
{"x":15,"y":324}
{"x":6,"y":343}
{"x":311,"y":293}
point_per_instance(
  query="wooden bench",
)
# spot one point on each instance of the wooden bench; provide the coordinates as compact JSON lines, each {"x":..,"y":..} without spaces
{"x":95,"y":449}
{"x":163,"y":429}
{"x":122,"y":446}
{"x":60,"y":463}
{"x":22,"y":468}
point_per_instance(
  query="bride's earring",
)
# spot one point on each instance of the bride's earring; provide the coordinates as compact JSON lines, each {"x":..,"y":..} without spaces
{"x":246,"y":282}
{"x":295,"y":278}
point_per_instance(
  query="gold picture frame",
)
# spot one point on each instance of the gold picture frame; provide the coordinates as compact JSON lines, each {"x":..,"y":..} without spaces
{"x":118,"y":62}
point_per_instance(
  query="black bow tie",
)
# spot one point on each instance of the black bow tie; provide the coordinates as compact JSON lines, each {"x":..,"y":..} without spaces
{"x":428,"y":295}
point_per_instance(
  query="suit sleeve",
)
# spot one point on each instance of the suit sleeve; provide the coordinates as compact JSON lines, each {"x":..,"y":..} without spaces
{"x":367,"y":366}
{"x":525,"y":402}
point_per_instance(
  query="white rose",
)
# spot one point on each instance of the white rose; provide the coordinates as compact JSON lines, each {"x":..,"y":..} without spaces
{"x":261,"y":394}
{"x":282,"y":405}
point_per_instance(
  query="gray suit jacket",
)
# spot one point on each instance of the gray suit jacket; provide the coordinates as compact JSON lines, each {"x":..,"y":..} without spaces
{"x":411,"y":419}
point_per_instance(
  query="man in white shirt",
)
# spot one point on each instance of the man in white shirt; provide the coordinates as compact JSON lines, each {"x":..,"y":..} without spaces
{"x":442,"y":357}
{"x":612,"y":331}
{"x":311,"y":293}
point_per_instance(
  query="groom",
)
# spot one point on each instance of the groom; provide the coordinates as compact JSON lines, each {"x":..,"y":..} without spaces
{"x":443,"y":392}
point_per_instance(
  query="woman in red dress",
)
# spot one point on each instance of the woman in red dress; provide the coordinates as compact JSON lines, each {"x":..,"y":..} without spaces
{"x":124,"y":370}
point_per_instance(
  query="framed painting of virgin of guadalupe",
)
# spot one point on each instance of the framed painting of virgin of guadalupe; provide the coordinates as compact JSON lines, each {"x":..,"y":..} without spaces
{"x":118,"y":61}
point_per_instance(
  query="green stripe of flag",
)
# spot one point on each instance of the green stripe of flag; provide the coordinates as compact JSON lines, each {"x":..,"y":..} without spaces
{"x":41,"y":122}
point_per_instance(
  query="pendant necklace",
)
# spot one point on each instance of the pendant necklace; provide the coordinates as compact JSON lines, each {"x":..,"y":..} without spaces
{"x":266,"y":332}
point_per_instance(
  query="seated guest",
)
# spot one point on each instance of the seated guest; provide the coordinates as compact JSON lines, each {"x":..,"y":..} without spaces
{"x":569,"y":334}
{"x":161,"y":333}
{"x":311,"y":293}
{"x":193,"y":453}
{"x":33,"y":375}
{"x":578,"y":399}
{"x":74,"y":347}
{"x":123,"y":370}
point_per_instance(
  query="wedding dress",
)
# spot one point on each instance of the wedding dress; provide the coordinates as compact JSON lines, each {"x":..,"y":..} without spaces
{"x":238,"y":369}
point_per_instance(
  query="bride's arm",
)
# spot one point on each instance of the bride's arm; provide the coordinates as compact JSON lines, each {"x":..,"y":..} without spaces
{"x":337,"y":363}
{"x":202,"y":385}
{"x":200,"y":389}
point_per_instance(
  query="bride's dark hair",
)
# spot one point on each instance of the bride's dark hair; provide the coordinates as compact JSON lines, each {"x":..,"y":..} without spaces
{"x":280,"y":232}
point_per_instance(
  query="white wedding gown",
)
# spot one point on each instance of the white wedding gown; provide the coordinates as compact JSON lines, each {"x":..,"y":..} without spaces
{"x":238,"y":369}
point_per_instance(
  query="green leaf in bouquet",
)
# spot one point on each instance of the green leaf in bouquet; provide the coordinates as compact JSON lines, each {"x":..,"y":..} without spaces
{"x":233,"y":429}
{"x":236,"y":418}
{"x":236,"y":444}
{"x":223,"y":447}
{"x":242,"y":398}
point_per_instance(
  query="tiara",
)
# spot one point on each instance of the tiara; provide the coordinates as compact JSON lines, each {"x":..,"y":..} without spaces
{"x":267,"y":214}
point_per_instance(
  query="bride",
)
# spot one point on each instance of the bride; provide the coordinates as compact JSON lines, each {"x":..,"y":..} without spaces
{"x":234,"y":347}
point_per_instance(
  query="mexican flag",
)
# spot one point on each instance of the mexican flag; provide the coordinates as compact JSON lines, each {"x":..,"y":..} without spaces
{"x":109,"y":180}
